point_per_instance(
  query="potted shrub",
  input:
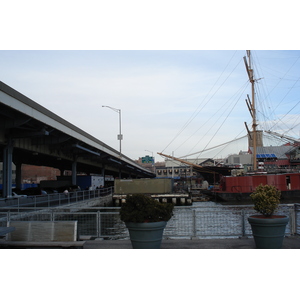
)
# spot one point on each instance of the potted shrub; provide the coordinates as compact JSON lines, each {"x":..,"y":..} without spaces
{"x":145,"y":219}
{"x":268,"y":229}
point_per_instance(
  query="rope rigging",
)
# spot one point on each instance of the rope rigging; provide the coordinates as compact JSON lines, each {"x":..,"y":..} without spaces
{"x":226,"y":117}
{"x":202,"y":106}
{"x":266,"y":109}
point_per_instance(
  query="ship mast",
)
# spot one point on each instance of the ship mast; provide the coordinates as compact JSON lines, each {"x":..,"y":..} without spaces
{"x":252,"y":105}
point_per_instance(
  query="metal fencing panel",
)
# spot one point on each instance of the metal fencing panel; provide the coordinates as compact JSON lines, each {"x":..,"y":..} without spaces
{"x":217,"y":221}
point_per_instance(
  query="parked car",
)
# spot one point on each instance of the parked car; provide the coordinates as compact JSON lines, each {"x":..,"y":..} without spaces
{"x":16,"y":196}
{"x":33,"y":192}
{"x":50,"y":191}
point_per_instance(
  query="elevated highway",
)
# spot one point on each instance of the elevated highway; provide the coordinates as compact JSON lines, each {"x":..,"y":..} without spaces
{"x":31,"y":134}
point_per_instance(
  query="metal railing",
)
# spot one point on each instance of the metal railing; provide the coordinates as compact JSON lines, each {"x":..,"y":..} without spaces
{"x":221,"y":221}
{"x":187,"y":222}
{"x":56,"y":199}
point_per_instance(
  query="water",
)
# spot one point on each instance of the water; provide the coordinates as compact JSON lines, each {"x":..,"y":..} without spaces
{"x":205,"y":220}
{"x":214,"y":220}
{"x":201,"y":220}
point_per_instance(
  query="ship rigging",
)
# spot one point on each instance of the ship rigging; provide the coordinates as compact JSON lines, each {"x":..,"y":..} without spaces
{"x":229,"y":187}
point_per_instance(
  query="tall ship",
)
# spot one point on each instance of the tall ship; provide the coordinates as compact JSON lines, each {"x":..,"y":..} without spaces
{"x":226,"y":187}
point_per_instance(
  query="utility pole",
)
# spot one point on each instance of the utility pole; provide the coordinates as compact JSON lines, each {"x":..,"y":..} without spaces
{"x":120,"y":136}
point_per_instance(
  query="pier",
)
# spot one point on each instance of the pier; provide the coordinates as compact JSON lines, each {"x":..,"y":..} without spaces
{"x":247,"y":243}
{"x":31,"y":134}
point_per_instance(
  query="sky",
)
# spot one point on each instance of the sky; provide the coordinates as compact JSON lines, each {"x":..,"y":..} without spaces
{"x":174,"y":72}
{"x":177,"y":102}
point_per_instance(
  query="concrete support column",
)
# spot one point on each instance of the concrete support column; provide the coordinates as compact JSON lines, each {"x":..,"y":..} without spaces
{"x":103,"y":172}
{"x":19,"y":175}
{"x":74,"y":172}
{"x":7,"y":170}
{"x":62,"y":171}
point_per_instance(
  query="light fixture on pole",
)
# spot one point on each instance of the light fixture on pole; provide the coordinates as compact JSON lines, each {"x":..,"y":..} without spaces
{"x":152,"y":156}
{"x":152,"y":161}
{"x":120,"y":136}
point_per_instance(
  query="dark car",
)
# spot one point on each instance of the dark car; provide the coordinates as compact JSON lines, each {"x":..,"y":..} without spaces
{"x":33,"y":192}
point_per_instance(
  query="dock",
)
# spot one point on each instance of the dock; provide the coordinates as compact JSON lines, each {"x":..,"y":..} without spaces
{"x":292,"y":242}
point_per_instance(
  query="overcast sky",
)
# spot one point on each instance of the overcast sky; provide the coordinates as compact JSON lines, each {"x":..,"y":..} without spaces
{"x":170,"y":101}
{"x":179,"y":101}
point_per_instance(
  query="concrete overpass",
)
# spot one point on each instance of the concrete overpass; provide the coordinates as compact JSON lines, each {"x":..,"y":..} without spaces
{"x":31,"y":134}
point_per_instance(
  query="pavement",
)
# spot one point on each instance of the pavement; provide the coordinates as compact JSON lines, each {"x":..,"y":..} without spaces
{"x":291,"y":242}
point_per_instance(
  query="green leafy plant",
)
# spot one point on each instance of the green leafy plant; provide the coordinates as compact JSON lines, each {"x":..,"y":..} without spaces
{"x":140,"y":208}
{"x":266,"y":199}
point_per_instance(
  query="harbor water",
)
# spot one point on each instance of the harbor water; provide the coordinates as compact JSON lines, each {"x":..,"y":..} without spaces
{"x":200,"y":220}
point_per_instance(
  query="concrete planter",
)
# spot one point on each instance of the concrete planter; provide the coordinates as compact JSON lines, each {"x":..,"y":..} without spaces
{"x":146,"y":235}
{"x":268,"y":232}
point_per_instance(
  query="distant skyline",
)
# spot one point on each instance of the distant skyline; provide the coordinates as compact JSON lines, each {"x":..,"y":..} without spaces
{"x":175,"y":102}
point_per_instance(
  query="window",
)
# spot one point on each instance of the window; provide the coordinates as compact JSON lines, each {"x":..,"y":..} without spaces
{"x":236,"y":160}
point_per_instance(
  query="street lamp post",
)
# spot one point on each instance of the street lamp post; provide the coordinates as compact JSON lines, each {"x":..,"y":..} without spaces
{"x":153,"y":163}
{"x":151,"y":153}
{"x":120,"y":136}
